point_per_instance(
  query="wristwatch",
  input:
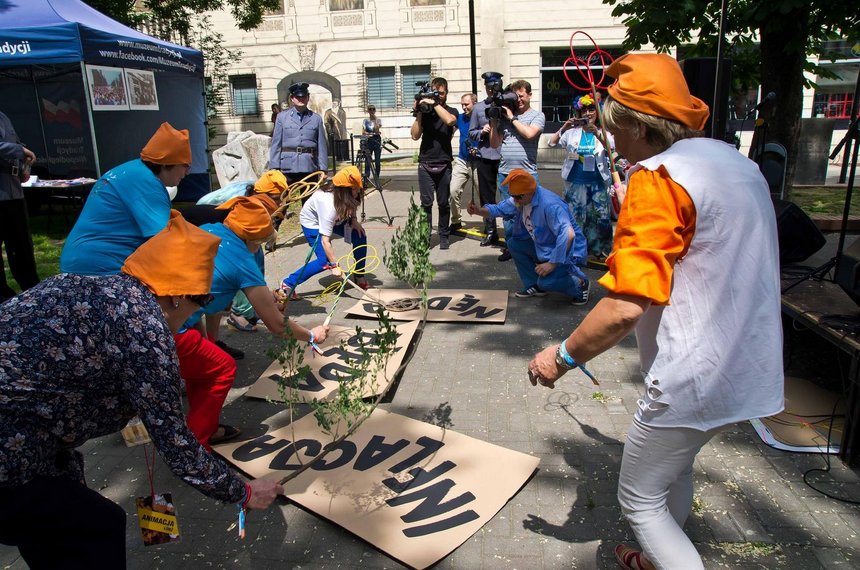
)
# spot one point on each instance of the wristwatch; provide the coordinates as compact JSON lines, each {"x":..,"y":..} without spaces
{"x":561,"y":362}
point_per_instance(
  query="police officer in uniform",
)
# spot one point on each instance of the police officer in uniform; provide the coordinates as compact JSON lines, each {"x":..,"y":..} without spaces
{"x":299,"y":139}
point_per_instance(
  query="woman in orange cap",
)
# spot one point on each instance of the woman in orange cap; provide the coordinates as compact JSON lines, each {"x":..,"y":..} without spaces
{"x":709,"y":334}
{"x":332,"y":211}
{"x":90,"y":353}
{"x":208,"y":370}
{"x":127,"y":205}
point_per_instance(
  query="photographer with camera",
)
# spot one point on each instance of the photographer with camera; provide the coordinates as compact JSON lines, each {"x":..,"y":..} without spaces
{"x":434,"y":124}
{"x":515,"y":129}
{"x":487,"y":160}
{"x":587,"y":175}
{"x":15,"y":162}
{"x":371,"y":128}
{"x":464,"y":171}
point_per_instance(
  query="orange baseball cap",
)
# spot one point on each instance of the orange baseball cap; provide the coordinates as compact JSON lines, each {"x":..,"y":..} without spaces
{"x":348,"y":177}
{"x":249,"y":219}
{"x":178,"y":260}
{"x":271,"y":182}
{"x":653,"y":83}
{"x":167,"y":146}
{"x":520,"y":182}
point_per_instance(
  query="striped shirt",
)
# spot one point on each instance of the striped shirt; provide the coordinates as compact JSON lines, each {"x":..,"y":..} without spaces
{"x":517,"y":151}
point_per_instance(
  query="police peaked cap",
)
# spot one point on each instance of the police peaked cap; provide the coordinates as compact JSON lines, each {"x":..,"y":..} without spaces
{"x":489,"y":76}
{"x":298,"y":89}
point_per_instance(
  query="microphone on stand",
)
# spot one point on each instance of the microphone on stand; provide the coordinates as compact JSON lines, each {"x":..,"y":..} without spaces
{"x":764,"y":101}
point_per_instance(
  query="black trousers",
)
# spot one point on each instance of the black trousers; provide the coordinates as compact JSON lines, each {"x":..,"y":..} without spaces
{"x":436,"y":184}
{"x":15,"y":236}
{"x":57,"y":522}
{"x":488,"y":172}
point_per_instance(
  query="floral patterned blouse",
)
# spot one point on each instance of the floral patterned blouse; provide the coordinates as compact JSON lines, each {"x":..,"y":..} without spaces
{"x":79,"y":357}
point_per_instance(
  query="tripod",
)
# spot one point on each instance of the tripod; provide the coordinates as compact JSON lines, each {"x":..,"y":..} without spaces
{"x":369,"y":174}
{"x":819,"y":272}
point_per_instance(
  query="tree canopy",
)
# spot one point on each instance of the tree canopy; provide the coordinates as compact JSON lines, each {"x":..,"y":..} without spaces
{"x":173,"y":16}
{"x":787,"y":33}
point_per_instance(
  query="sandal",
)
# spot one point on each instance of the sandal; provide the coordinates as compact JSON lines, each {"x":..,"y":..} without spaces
{"x":228,"y":433}
{"x":247,"y":327}
{"x":632,"y":559}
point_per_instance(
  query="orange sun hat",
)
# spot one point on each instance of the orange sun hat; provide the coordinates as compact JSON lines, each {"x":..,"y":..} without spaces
{"x":167,"y":146}
{"x":653,"y":83}
{"x":520,"y":182}
{"x":248,"y":218}
{"x":178,"y":260}
{"x":348,"y":177}
{"x":263,"y":199}
{"x":271,"y":182}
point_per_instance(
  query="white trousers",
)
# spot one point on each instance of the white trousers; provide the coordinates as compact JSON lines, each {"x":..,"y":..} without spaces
{"x":655,"y":491}
{"x":462,"y":174}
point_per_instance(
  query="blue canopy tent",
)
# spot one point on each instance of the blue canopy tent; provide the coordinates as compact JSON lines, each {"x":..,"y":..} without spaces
{"x":52,"y":53}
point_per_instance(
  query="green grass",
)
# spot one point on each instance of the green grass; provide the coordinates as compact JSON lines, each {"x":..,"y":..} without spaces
{"x":824,"y":200}
{"x":48,"y":239}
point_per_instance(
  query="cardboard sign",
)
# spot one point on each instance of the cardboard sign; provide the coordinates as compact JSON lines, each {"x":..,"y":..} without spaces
{"x":331,"y":367}
{"x":414,"y":490}
{"x":445,"y":305}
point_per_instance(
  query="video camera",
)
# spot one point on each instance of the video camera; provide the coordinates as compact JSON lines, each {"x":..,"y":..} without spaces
{"x":500,"y":97}
{"x":427,"y":92}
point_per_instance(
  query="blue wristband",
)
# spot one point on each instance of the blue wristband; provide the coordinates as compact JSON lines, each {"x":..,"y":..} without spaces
{"x":568,"y":359}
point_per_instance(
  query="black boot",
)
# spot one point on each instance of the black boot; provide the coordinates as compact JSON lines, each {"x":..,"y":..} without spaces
{"x":492,"y":237}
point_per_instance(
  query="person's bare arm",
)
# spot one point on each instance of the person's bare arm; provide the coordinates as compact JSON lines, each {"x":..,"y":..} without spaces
{"x":264,"y":305}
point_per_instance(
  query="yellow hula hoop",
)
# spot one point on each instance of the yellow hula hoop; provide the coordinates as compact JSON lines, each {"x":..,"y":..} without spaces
{"x":326,"y":294}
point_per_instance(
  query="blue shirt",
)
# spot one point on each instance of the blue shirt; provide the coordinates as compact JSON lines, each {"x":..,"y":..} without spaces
{"x":126,"y":207}
{"x":235,"y":268}
{"x":465,"y":141}
{"x":551,"y":219}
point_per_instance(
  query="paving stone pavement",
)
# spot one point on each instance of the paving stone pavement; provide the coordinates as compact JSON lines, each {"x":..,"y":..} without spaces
{"x":752,"y":509}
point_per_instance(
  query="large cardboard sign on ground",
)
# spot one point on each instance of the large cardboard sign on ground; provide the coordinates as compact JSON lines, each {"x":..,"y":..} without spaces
{"x":331,"y":367}
{"x":445,"y":305}
{"x":413,"y":490}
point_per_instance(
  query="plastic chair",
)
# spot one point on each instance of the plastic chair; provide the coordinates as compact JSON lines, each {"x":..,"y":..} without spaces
{"x":772,"y":165}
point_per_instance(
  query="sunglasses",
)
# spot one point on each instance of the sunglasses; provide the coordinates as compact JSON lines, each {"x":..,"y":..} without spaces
{"x":201,"y":300}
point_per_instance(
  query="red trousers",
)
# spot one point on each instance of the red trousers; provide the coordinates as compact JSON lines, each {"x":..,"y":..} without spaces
{"x":208,"y":372}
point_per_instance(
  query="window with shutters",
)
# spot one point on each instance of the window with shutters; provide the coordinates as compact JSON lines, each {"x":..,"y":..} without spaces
{"x":381,"y":87}
{"x":243,"y":89}
{"x":413,"y":77}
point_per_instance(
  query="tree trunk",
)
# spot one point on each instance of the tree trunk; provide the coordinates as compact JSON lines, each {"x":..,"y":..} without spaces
{"x":782,"y":73}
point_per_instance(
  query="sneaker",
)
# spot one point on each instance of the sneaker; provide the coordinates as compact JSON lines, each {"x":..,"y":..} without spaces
{"x":236,"y":353}
{"x":533,"y":291}
{"x":506,"y":255}
{"x":583,"y":299}
{"x":443,"y":242}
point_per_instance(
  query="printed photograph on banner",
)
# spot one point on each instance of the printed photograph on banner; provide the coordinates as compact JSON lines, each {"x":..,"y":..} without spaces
{"x":107,"y":88}
{"x":142,"y":94}
{"x":156,"y":517}
{"x":444,"y":305}
{"x":414,"y":490}
{"x":336,"y":363}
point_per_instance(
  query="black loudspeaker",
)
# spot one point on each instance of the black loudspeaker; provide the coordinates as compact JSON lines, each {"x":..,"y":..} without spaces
{"x":799,"y":237}
{"x":701,"y":74}
{"x":848,"y":271}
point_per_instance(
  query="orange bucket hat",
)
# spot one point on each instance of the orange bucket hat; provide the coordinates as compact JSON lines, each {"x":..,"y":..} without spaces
{"x":654,"y":84}
{"x":520,"y":182}
{"x":249,"y":219}
{"x":271,"y":182}
{"x":167,"y":146}
{"x":178,"y":260}
{"x":348,"y":177}
{"x":263,"y":199}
